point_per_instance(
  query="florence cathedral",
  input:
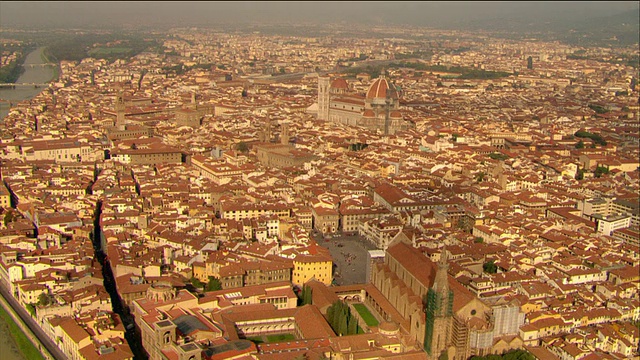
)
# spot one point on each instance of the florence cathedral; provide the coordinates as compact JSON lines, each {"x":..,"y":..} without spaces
{"x":378,"y":110}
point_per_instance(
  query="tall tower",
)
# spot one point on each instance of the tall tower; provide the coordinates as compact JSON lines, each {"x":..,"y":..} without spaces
{"x":439,"y":310}
{"x":264,"y":135}
{"x":284,"y":136}
{"x":323,"y":97}
{"x":120,"y":122}
{"x":267,"y":130}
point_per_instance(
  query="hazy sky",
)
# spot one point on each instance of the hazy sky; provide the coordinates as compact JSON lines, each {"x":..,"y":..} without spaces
{"x":202,"y":13}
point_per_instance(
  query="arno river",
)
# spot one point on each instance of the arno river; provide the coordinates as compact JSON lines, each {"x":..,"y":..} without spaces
{"x":36,"y":74}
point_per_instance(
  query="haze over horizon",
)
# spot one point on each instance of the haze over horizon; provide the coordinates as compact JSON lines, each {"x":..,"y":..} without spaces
{"x":66,"y":14}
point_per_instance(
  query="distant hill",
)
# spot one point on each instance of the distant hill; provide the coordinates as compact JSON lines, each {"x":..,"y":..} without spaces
{"x":624,"y":27}
{"x":620,"y":29}
{"x":578,"y":22}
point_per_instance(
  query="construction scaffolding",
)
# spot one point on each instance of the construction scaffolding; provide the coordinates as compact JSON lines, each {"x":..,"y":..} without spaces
{"x":437,"y":305}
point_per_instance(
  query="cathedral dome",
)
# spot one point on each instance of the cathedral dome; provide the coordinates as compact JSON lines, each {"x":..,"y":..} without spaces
{"x":369,"y":113}
{"x":395,"y":114}
{"x":339,"y":83}
{"x":381,"y":89}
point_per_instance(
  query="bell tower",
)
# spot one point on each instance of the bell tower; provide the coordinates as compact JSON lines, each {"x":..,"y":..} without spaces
{"x":439,"y":310}
{"x":323,"y":97}
{"x":120,"y":107}
{"x":264,"y":135}
{"x":284,"y":136}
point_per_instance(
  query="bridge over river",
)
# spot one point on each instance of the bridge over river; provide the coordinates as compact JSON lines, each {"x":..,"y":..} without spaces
{"x":39,"y":65}
{"x":15,"y":85}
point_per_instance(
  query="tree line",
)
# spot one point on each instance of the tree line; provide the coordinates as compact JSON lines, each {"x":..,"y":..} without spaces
{"x":306,"y":295}
{"x":213,"y":284}
{"x":12,"y":71}
{"x":465,"y":73}
{"x":342,"y":321}
{"x":596,"y":138}
{"x":76,"y":47}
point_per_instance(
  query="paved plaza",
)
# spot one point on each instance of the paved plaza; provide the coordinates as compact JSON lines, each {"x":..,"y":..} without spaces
{"x":349,"y":258}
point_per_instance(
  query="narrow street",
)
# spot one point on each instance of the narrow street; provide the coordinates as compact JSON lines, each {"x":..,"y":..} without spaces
{"x":132,"y":337}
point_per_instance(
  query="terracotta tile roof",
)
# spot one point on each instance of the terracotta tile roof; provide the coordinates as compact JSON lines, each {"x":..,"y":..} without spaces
{"x":311,"y":323}
{"x":424,"y":270}
{"x":322,"y":296}
{"x":75,"y":332}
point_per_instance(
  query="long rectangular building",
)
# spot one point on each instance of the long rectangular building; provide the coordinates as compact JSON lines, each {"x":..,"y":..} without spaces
{"x":62,"y":150}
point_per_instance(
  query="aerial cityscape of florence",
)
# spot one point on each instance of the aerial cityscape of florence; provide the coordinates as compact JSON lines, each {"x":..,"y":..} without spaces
{"x":264,"y":180}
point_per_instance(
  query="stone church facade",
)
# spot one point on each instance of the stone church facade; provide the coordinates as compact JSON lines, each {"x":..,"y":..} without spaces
{"x":441,"y":314}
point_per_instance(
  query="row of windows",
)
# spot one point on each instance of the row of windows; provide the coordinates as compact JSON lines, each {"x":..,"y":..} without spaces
{"x":145,"y":156}
{"x":274,"y":301}
{"x":295,"y":273}
{"x":66,"y":156}
{"x":268,"y":278}
{"x":335,"y":106}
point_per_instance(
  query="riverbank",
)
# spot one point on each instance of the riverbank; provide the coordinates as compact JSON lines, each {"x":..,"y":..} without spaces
{"x":32,"y":74}
{"x":24,"y":339}
{"x":47,"y":58}
{"x":10,"y":349}
{"x":11,"y":72}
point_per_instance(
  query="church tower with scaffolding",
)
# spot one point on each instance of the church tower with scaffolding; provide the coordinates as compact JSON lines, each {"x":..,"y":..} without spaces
{"x":439,"y":311}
